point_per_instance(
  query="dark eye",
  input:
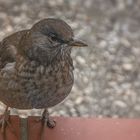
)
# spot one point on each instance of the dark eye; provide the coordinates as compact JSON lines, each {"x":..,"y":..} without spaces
{"x":53,"y":37}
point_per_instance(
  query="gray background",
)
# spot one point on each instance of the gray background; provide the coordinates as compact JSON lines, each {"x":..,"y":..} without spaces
{"x":107,"y":73}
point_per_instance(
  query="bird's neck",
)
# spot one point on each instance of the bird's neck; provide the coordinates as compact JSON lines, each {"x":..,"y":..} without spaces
{"x":62,"y":59}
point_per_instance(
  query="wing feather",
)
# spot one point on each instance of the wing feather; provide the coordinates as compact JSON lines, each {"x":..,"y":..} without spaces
{"x":8,"y":48}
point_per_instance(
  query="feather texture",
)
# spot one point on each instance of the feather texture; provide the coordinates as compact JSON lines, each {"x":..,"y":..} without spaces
{"x":35,"y":70}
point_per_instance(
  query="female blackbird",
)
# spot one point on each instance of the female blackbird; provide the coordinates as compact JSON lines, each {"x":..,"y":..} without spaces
{"x":36,"y":68}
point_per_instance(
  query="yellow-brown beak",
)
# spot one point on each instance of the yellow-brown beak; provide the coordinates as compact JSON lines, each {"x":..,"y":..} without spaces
{"x":77,"y":43}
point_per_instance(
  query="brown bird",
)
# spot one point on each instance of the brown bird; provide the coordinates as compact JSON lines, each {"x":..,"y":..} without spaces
{"x":36,"y":68}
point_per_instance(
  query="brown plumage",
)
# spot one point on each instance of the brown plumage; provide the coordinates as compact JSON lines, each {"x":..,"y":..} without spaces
{"x":36,"y":69}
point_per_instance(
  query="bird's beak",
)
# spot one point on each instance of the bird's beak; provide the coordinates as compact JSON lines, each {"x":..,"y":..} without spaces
{"x":77,"y":43}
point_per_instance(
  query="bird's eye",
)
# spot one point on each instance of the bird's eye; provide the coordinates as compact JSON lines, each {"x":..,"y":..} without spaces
{"x":53,"y":37}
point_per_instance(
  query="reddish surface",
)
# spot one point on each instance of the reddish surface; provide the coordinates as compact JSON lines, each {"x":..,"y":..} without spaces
{"x":8,"y":135}
{"x":80,"y":129}
{"x":89,"y":129}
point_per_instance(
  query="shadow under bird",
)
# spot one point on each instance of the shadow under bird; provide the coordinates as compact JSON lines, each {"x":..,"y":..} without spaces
{"x":36,"y":68}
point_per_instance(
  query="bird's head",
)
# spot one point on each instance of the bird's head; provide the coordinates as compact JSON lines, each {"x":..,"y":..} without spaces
{"x":52,"y":38}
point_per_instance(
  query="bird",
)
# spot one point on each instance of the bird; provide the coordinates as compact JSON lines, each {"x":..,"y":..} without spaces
{"x":36,"y":68}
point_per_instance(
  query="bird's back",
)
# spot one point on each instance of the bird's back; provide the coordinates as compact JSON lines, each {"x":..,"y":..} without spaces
{"x":8,"y":53}
{"x":8,"y":48}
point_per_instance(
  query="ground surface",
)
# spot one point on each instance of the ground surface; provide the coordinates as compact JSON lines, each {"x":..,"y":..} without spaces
{"x":107,"y":73}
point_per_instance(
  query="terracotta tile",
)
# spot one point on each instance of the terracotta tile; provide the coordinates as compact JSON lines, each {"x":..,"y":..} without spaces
{"x":89,"y":129}
{"x":8,"y":135}
{"x":78,"y":129}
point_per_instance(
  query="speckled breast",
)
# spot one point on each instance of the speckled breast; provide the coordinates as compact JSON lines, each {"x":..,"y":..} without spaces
{"x":27,"y":84}
{"x":44,"y":86}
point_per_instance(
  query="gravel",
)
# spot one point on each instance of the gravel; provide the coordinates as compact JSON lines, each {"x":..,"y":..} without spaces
{"x":107,"y":73}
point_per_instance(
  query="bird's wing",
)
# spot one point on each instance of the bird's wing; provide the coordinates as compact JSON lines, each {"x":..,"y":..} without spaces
{"x":8,"y":48}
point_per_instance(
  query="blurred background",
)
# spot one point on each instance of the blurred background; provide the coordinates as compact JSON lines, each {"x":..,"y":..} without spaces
{"x":107,"y":73}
